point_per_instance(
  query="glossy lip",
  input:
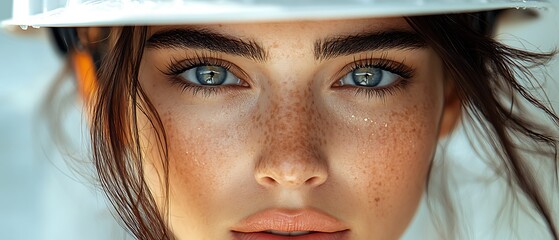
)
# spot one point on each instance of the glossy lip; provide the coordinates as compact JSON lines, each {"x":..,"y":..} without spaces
{"x":285,"y":220}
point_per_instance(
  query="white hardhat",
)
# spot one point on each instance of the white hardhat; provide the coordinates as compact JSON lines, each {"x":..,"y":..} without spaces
{"x":73,"y":13}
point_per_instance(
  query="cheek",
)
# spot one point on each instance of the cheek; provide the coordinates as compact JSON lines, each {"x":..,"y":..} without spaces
{"x":391,"y":160}
{"x":395,"y":157}
{"x":197,"y":170}
{"x":205,"y":145}
{"x":204,"y":142}
{"x":384,"y":161}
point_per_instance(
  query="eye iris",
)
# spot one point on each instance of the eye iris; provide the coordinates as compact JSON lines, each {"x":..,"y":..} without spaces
{"x":369,"y":77}
{"x":211,"y":75}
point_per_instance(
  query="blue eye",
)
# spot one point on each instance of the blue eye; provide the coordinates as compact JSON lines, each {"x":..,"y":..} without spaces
{"x":210,"y":75}
{"x":369,"y":77}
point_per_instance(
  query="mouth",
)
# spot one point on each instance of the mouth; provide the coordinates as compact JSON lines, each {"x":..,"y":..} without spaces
{"x":296,"y":235}
{"x":282,"y":224}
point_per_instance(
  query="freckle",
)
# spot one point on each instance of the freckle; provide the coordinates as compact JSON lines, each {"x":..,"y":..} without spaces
{"x":377,"y":199}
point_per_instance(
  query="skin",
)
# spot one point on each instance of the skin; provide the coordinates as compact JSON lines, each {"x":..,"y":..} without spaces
{"x":291,"y":139}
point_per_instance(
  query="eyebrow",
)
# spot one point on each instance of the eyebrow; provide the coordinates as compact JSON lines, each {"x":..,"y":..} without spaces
{"x":323,"y":49}
{"x":206,"y":39}
{"x":346,"y":45}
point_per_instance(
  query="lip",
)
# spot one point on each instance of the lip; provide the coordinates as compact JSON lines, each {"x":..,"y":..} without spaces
{"x":322,"y":225}
{"x":342,"y":235}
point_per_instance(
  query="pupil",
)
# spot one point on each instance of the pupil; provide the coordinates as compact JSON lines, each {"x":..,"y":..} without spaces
{"x":369,"y":77}
{"x":211,"y":75}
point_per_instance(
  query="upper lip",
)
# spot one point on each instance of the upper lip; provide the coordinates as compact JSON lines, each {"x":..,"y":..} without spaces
{"x":286,"y":220}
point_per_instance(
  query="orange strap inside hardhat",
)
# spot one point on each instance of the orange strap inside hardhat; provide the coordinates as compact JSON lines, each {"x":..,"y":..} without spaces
{"x":85,"y":73}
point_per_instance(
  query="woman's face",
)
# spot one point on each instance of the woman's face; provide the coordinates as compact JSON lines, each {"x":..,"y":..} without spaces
{"x":301,"y":127}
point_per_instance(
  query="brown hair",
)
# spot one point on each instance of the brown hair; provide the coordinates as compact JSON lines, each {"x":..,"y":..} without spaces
{"x":486,"y":76}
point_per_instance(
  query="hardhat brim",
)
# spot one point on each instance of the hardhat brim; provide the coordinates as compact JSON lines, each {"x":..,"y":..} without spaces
{"x":120,"y":13}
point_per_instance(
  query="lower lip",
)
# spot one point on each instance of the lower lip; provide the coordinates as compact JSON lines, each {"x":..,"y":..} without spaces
{"x":342,"y":235}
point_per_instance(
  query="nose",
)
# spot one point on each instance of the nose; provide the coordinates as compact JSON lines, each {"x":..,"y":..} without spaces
{"x":292,"y":153}
{"x":290,"y":173}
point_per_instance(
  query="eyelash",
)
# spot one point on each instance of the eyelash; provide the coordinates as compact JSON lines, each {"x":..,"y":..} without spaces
{"x":406,"y":74}
{"x":177,"y":67}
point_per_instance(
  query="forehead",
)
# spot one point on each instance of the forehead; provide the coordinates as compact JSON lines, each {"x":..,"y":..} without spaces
{"x":299,"y":30}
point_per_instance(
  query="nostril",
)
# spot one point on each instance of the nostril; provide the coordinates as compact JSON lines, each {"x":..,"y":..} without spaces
{"x":314,"y":181}
{"x":289,"y":181}
{"x":267,"y":181}
{"x":291,"y":173}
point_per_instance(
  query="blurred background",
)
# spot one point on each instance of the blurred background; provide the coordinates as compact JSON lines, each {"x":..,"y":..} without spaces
{"x":41,"y":198}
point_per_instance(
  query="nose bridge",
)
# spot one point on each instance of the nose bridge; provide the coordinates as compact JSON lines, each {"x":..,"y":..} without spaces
{"x":291,"y":155}
{"x":290,"y":118}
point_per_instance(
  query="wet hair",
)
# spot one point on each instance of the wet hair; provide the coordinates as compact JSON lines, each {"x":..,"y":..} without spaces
{"x":490,"y":79}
